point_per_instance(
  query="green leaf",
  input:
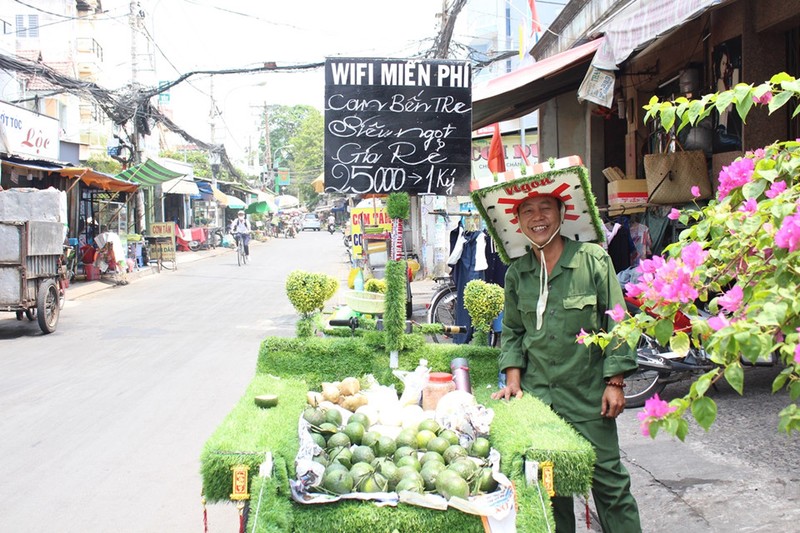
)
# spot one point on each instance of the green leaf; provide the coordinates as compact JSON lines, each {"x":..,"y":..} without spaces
{"x":667,"y":117}
{"x":735,"y":376}
{"x":780,"y":379}
{"x":796,"y":111}
{"x":779,"y":100}
{"x":663,"y":331}
{"x":704,"y":411}
{"x":779,"y":78}
{"x":753,"y":189}
{"x":695,"y":108}
{"x":680,"y":343}
{"x":683,"y":429}
{"x":794,"y":390}
{"x":743,"y":107}
{"x":724,"y":99}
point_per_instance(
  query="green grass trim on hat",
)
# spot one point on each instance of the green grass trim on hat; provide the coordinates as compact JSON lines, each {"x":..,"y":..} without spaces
{"x":499,"y":222}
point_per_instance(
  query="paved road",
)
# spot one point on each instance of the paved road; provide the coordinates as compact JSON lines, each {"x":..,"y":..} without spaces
{"x":104,"y":420}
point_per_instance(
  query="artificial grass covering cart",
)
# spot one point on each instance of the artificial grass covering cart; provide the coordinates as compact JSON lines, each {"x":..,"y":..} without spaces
{"x":289,"y":367}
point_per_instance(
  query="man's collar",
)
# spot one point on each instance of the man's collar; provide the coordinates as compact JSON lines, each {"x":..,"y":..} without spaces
{"x":567,"y":260}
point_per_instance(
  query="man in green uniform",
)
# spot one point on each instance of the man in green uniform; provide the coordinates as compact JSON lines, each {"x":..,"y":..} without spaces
{"x":558,"y":288}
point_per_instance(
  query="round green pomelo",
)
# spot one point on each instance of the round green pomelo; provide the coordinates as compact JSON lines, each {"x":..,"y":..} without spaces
{"x":327,"y":429}
{"x":374,"y":483}
{"x":354,"y":431}
{"x":429,"y":473}
{"x":370,"y":438}
{"x":438,"y":445}
{"x":484,"y":482}
{"x":314,"y":416}
{"x":338,"y":439}
{"x":334,"y":416}
{"x":454,"y":452}
{"x":431,"y":457}
{"x":338,"y":482}
{"x":480,"y":448}
{"x":407,"y":437}
{"x":449,"y":435}
{"x":430,"y":425}
{"x":335,"y":466}
{"x":341,"y":455}
{"x":449,"y":484}
{"x":424,"y":437}
{"x":410,"y":484}
{"x":359,"y":418}
{"x":360,"y":471}
{"x":463,"y":467}
{"x":403,"y":451}
{"x":318,"y":439}
{"x":409,"y":460}
{"x":385,"y":447}
{"x":362,"y":454}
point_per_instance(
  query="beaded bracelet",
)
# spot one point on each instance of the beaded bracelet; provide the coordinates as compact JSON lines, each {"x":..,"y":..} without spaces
{"x":614,"y":384}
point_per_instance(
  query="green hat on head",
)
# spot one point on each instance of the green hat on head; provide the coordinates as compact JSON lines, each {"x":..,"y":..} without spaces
{"x":565,"y":179}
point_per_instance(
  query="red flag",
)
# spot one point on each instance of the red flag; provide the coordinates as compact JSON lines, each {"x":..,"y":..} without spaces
{"x":496,"y":160}
{"x":536,"y":26}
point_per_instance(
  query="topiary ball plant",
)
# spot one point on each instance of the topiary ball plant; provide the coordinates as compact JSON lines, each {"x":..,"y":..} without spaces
{"x":483,"y":301}
{"x":308,"y":292}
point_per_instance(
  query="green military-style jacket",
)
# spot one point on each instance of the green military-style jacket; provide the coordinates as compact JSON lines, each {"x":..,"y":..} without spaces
{"x":555,"y":368}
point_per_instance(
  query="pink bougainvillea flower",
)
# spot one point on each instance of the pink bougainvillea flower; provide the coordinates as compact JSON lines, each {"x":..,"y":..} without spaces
{"x":777,"y":188}
{"x":654,"y":409}
{"x":581,"y":336}
{"x":797,"y":354}
{"x":749,"y":207}
{"x":732,"y":299}
{"x":695,"y":191}
{"x":693,"y":255}
{"x":735,"y":175}
{"x":617,"y":314}
{"x":764,"y":99}
{"x":788,"y":236}
{"x":718,"y":322}
{"x":674,"y":214}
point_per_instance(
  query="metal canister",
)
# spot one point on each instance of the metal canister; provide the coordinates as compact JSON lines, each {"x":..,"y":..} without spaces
{"x":460,"y":369}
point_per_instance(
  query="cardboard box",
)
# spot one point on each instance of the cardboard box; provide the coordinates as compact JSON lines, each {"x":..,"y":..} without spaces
{"x":626,"y":197}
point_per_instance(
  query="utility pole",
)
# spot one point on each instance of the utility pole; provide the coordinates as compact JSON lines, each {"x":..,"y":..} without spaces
{"x":134,"y":14}
{"x":268,"y":147}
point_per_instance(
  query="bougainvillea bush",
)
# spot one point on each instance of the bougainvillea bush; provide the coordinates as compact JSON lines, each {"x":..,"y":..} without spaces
{"x":739,"y":257}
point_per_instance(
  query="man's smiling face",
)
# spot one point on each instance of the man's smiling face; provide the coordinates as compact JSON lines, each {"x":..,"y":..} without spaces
{"x":539,"y":217}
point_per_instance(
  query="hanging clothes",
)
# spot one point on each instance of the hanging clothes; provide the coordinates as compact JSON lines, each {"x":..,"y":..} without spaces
{"x":642,"y":243}
{"x":620,"y":246}
{"x":464,"y":271}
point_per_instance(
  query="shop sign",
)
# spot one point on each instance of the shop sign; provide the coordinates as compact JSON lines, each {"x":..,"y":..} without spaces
{"x":163,"y":246}
{"x":514,"y":153}
{"x":397,"y":125}
{"x":376,"y":218}
{"x":27,"y":133}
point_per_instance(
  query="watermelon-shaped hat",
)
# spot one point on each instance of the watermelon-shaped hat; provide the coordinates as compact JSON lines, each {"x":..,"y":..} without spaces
{"x":566,"y":179}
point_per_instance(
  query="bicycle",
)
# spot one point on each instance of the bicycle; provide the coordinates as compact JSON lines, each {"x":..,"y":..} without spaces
{"x":241,"y":257}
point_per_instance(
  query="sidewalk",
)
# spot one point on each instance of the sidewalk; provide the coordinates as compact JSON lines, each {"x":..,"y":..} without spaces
{"x":78,"y":289}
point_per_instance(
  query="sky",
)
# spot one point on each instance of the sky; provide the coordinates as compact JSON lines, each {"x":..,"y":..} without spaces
{"x":196,"y":35}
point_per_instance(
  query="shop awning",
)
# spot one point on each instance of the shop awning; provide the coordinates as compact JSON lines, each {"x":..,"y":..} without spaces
{"x":149,"y":173}
{"x":100,"y":180}
{"x":520,"y":92}
{"x":234,"y":202}
{"x":180,"y":186}
{"x":319,"y":184}
{"x":260,"y":207}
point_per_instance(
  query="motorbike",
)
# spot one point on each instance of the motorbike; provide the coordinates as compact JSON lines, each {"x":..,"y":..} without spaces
{"x":331,"y":228}
{"x":348,"y":245}
{"x":289,"y":231}
{"x":215,"y":236}
{"x":658,"y":365}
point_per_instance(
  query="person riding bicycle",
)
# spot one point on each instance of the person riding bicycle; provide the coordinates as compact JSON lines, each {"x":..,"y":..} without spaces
{"x":240,"y":228}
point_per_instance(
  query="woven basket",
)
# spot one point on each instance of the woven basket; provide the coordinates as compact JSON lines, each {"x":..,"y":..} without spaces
{"x":671,"y":176}
{"x":371,"y":303}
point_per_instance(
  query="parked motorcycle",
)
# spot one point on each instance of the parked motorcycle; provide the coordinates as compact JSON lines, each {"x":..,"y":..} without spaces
{"x":289,"y":231}
{"x":660,"y":366}
{"x":331,"y":228}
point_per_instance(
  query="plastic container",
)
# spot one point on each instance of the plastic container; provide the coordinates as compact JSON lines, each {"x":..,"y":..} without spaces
{"x":92,"y":272}
{"x":439,"y":384}
{"x":460,"y":369}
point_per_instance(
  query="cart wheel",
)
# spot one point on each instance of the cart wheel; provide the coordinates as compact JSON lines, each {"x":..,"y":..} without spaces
{"x":47,"y":308}
{"x":31,"y":313}
{"x":19,"y":315}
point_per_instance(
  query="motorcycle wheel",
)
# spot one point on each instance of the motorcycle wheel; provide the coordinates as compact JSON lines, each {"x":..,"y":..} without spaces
{"x":641,"y":386}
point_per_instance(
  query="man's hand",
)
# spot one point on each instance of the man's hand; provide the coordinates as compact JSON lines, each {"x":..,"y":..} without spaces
{"x":513,"y":389}
{"x":613,"y":402}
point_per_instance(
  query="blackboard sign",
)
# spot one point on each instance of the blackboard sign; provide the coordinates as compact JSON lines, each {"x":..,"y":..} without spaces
{"x":397,"y":125}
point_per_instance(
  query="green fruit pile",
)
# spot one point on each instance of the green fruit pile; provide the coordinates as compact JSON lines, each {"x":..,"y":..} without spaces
{"x":426,"y":460}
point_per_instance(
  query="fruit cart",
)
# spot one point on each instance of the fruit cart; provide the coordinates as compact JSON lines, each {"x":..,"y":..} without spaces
{"x":29,"y":270}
